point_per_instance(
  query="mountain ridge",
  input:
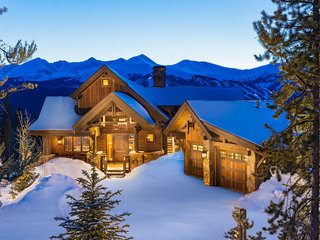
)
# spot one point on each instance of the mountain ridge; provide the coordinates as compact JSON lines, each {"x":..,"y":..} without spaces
{"x":39,"y":69}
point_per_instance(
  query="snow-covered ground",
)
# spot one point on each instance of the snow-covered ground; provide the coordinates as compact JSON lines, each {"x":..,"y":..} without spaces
{"x":165,"y":203}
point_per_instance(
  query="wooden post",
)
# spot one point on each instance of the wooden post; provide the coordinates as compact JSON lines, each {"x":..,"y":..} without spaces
{"x":124,"y":166}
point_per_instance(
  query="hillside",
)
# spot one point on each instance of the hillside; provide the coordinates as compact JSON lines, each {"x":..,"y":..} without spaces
{"x":164,"y":202}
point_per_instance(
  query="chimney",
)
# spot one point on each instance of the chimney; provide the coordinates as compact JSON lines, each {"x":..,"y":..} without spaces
{"x":159,"y":76}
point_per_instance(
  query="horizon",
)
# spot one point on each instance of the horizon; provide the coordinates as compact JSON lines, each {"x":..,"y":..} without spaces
{"x":126,"y":59}
{"x":217,"y":32}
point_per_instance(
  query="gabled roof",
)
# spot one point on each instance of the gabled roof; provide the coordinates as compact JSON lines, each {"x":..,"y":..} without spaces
{"x":241,"y":118}
{"x":234,"y":119}
{"x":126,"y":103}
{"x":57,"y":113}
{"x":131,"y":88}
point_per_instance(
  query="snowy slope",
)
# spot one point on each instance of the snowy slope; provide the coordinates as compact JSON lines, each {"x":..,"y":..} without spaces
{"x":164,"y":202}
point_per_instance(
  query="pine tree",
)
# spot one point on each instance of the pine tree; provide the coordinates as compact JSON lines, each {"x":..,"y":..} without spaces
{"x":291,"y":37}
{"x":90,"y":216}
{"x":17,"y":54}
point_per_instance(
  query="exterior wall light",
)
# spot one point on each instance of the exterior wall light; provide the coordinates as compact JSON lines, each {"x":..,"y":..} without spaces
{"x":204,"y":154}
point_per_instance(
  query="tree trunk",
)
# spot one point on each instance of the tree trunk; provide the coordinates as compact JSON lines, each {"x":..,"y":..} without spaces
{"x":315,"y":153}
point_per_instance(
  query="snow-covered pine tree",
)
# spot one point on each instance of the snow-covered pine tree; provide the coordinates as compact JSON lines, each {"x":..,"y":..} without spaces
{"x":90,"y":217}
{"x":291,"y":37}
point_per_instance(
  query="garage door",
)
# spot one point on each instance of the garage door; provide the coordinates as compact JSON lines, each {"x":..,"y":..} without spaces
{"x":232,"y":170}
{"x":196,"y":165}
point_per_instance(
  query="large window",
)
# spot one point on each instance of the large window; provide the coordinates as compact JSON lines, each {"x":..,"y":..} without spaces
{"x":68,"y":144}
{"x":76,"y":144}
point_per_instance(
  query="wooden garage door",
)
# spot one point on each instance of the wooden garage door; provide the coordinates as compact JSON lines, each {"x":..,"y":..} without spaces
{"x":196,"y":162}
{"x":232,"y":170}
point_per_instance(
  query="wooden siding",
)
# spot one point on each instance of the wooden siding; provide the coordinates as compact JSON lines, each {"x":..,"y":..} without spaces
{"x":156,"y":145}
{"x":94,"y":93}
{"x":193,"y":135}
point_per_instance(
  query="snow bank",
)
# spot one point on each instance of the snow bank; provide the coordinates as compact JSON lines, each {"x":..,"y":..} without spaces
{"x":164,"y":202}
{"x":65,"y":166}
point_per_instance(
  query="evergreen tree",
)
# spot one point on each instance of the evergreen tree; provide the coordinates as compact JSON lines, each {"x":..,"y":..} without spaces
{"x":90,"y":216}
{"x":17,"y":54}
{"x":291,"y":37}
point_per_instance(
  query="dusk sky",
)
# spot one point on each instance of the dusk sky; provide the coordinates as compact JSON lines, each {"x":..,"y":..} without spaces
{"x":167,"y":31}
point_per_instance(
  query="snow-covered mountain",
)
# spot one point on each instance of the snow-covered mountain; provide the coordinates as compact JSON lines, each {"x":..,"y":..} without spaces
{"x":62,"y":77}
{"x":186,"y":72}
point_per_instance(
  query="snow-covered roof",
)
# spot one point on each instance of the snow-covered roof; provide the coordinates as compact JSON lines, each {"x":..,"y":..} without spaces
{"x":136,"y":106}
{"x":139,"y":90}
{"x":177,"y":95}
{"x":240,"y":118}
{"x":57,"y":113}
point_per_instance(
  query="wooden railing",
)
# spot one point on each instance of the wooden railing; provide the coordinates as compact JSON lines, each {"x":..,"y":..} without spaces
{"x":112,"y":168}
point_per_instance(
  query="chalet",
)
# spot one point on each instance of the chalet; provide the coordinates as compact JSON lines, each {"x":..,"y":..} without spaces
{"x":221,"y":139}
{"x":120,"y":120}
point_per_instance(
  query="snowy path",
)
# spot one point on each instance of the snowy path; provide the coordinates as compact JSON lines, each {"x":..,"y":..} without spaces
{"x":165,"y":203}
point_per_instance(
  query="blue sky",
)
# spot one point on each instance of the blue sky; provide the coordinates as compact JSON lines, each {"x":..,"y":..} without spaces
{"x":167,"y":31}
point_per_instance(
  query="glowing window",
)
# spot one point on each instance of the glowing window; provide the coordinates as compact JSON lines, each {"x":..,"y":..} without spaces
{"x":85,"y":144}
{"x":77,"y":144}
{"x":194,"y":147}
{"x":223,"y":154}
{"x":105,"y":81}
{"x":68,"y":143}
{"x":150,"y":137}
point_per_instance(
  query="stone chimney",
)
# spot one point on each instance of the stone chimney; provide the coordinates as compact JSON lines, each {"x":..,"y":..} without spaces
{"x":159,"y":76}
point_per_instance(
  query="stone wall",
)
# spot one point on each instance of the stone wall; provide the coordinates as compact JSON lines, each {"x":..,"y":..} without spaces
{"x":139,"y":158}
{"x":208,"y":164}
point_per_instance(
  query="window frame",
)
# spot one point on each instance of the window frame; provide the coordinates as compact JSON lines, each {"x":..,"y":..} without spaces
{"x":109,"y":79}
{"x":72,"y":144}
{"x":153,"y":137}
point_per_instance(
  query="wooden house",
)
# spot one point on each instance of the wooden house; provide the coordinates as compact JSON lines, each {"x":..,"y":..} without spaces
{"x":116,"y":117}
{"x":220,"y":141}
{"x":123,"y":120}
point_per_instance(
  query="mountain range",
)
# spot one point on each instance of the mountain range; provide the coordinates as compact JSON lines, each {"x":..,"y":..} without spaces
{"x":62,"y":77}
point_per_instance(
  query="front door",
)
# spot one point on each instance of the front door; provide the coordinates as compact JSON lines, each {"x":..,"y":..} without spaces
{"x":120,"y":146}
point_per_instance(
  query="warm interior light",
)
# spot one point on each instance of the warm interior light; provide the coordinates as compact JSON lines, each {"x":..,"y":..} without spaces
{"x":105,"y":81}
{"x":59,"y":141}
{"x":204,"y":154}
{"x":150,"y":137}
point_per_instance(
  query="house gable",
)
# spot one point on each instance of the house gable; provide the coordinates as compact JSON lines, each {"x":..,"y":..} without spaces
{"x":181,"y":119}
{"x":92,"y":91}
